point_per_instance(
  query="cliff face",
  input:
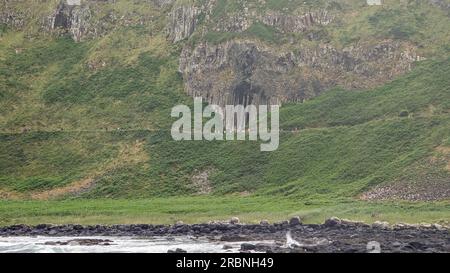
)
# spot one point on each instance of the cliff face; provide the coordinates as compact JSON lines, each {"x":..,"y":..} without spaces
{"x":299,"y":23}
{"x":182,"y":21}
{"x":10,"y":17}
{"x":243,"y":72}
{"x":94,"y":18}
{"x":72,"y":19}
{"x":246,"y":70}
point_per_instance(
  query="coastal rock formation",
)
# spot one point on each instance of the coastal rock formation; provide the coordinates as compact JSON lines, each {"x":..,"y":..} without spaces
{"x":244,"y":71}
{"x":182,"y":22}
{"x":10,"y":17}
{"x":347,"y":236}
{"x":162,"y":3}
{"x":292,"y":23}
{"x":72,"y":19}
{"x":237,"y":22}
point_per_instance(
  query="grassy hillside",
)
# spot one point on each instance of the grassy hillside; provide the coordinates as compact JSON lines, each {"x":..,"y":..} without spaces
{"x":50,"y":86}
{"x":84,"y":123}
{"x":346,"y":143}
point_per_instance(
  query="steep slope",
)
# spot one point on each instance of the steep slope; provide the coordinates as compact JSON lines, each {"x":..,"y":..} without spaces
{"x":336,"y":156}
{"x":86,"y":93}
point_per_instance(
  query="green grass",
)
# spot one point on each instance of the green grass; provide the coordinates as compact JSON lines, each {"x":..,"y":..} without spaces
{"x":205,"y":209}
{"x":423,"y":92}
{"x":50,"y":87}
{"x":336,"y":163}
{"x":256,"y":31}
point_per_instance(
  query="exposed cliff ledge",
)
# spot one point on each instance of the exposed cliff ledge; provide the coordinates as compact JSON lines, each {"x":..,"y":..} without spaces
{"x":300,"y":23}
{"x":72,"y":19}
{"x":10,"y":17}
{"x":241,"y":21}
{"x":15,"y":20}
{"x":82,"y":20}
{"x":243,"y":72}
{"x":237,"y":22}
{"x":182,"y":22}
{"x":162,"y":3}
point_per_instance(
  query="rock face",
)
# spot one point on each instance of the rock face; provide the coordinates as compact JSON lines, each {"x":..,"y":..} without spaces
{"x":72,"y":19}
{"x":73,"y":2}
{"x":162,"y":3}
{"x":10,"y":17}
{"x":182,"y":22}
{"x":237,"y":22}
{"x":292,"y":23}
{"x":248,"y":72}
{"x":82,"y":22}
{"x":243,"y":20}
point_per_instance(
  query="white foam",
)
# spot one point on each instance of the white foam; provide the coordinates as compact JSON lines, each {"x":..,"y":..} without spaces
{"x":118,"y":245}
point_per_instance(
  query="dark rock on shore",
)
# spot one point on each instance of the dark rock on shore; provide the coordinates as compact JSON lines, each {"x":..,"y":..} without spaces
{"x":178,"y":250}
{"x":247,"y":246}
{"x":335,"y":235}
{"x":332,"y":222}
{"x":81,"y":242}
{"x":295,"y":221}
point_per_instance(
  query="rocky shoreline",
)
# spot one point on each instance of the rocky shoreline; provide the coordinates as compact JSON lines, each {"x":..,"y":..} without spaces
{"x":335,"y":235}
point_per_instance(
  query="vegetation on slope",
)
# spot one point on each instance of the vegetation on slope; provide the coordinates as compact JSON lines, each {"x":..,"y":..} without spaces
{"x":91,"y":120}
{"x":346,"y":143}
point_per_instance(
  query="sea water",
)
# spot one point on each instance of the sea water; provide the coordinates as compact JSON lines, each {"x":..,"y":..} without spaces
{"x":117,"y":245}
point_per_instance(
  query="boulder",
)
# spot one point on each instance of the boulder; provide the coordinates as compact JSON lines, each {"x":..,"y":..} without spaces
{"x":178,"y":250}
{"x":381,"y":225}
{"x":234,"y":220}
{"x":247,"y":246}
{"x":438,"y":227}
{"x":295,"y":221}
{"x":332,"y":222}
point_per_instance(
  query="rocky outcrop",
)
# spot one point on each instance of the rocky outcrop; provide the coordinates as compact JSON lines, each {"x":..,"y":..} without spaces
{"x":82,"y":22}
{"x":297,"y":24}
{"x":182,"y":21}
{"x":72,"y":19}
{"x":343,"y":236}
{"x":11,"y":17}
{"x":237,"y":22}
{"x":244,"y":72}
{"x":162,"y":3}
